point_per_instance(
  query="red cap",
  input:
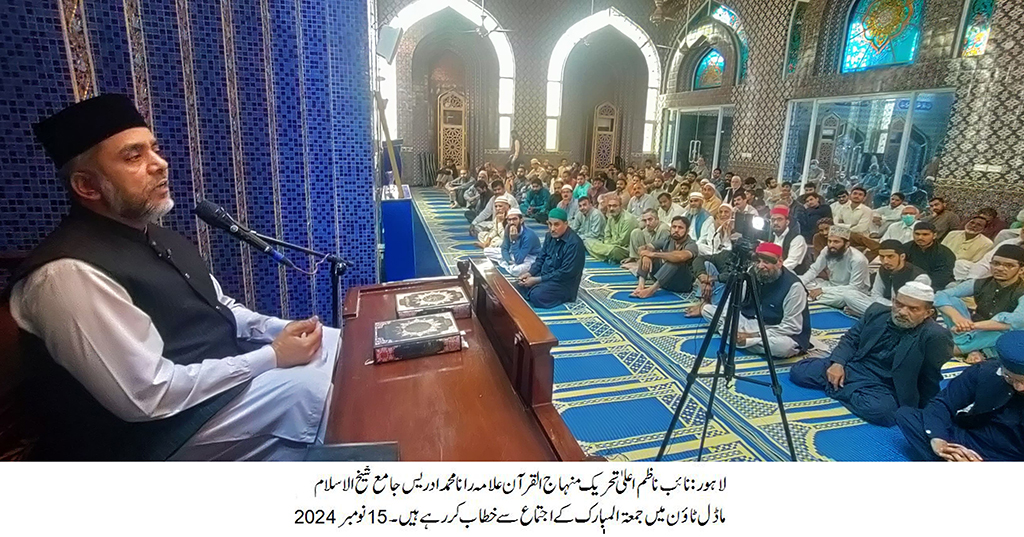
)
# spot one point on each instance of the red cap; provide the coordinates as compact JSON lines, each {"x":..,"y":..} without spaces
{"x":769,"y":248}
{"x":781,"y":209}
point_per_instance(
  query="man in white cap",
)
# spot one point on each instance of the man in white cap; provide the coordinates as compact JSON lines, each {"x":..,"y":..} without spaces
{"x":847,"y":270}
{"x":520,"y":246}
{"x":701,"y":221}
{"x":891,"y":358}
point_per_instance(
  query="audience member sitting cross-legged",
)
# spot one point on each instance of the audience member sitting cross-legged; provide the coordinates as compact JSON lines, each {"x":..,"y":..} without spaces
{"x":930,"y":256}
{"x":847,"y":270}
{"x":555,"y":276}
{"x":891,"y":358}
{"x":588,"y":220}
{"x":1000,"y":305}
{"x":671,"y":263}
{"x":520,"y":246}
{"x":895,"y":271}
{"x":651,"y":234}
{"x":618,"y":225}
{"x":979,"y":416}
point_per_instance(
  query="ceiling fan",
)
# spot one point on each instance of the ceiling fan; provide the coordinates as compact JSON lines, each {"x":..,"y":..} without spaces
{"x":481,"y":30}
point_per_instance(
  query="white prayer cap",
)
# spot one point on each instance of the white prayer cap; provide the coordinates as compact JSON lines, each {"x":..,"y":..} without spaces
{"x":506,"y":199}
{"x":918,"y":290}
{"x":839,"y":230}
{"x":696,"y":196}
{"x":704,"y":181}
{"x":514,"y":211}
{"x":567,"y":187}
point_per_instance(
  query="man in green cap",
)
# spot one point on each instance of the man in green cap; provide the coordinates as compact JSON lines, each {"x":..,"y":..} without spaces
{"x":555,"y":276}
{"x":617,"y":229}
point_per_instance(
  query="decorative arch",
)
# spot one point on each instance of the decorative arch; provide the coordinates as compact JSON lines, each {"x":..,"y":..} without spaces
{"x":881,"y":33}
{"x":710,"y":70}
{"x":556,"y":70}
{"x":721,"y":29}
{"x":421,"y":9}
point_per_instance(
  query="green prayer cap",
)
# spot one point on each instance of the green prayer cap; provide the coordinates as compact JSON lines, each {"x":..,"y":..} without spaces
{"x":559,"y":214}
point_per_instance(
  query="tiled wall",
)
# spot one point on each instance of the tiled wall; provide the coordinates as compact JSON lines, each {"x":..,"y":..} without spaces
{"x":985,"y":126}
{"x":261,"y":106}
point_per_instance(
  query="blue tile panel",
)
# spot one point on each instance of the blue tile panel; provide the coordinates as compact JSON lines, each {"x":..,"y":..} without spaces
{"x":302,"y":102}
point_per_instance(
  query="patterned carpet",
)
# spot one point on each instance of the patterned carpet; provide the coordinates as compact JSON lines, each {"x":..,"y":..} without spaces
{"x":621,"y":365}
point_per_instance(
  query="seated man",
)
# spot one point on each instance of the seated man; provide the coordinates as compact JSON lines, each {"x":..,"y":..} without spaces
{"x":903,"y":229}
{"x":894,"y":273}
{"x":740,"y":205}
{"x":847,"y":270}
{"x":468,"y":195}
{"x":617,"y":227}
{"x":588,"y":222}
{"x":490,"y":240}
{"x":670,"y":263}
{"x":941,"y":217}
{"x":483,"y":220}
{"x":969,"y":245}
{"x":930,"y":256}
{"x":1000,"y":305}
{"x":141,"y":355}
{"x":480,"y":204}
{"x":641,"y":200}
{"x":651,"y":232}
{"x":455,"y":186}
{"x":720,"y":238}
{"x":667,"y":209}
{"x":555,"y":276}
{"x":891,"y":358}
{"x":814,"y":210}
{"x":979,"y":416}
{"x":855,"y":215}
{"x":794,"y":247}
{"x":535,"y":202}
{"x":701,"y":221}
{"x":519,"y":247}
{"x":883,"y":217}
{"x":983,"y":268}
{"x":784,"y":308}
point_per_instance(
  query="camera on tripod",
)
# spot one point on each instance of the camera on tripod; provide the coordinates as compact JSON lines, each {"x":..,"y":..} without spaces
{"x":748,"y":232}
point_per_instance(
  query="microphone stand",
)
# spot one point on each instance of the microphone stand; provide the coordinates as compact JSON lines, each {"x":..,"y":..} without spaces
{"x":338,"y":268}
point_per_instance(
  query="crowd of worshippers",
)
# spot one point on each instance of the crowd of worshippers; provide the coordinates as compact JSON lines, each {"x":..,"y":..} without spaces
{"x":924,"y":290}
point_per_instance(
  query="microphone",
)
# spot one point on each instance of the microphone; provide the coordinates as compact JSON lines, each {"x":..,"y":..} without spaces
{"x":216,"y":216}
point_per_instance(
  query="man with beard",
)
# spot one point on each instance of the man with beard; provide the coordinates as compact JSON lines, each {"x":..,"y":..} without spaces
{"x":847,"y":270}
{"x":784,"y":308}
{"x":455,"y":186}
{"x":894,"y":273}
{"x":944,"y":220}
{"x":1000,"y":305}
{"x":735,"y":187}
{"x":932,"y":257}
{"x":968,"y":245}
{"x":700,"y":221}
{"x":535,"y":203}
{"x":891,"y":358}
{"x":979,"y":416}
{"x":588,"y":221}
{"x":140,"y":354}
{"x":480,"y":204}
{"x":670,"y":262}
{"x":667,"y":209}
{"x":520,"y":246}
{"x":555,"y":276}
{"x":485,"y":218}
{"x":794,"y":246}
{"x":597,"y":189}
{"x":618,"y":226}
{"x":520,"y":184}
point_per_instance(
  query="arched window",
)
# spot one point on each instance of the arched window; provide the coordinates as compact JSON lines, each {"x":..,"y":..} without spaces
{"x":977,"y":18}
{"x":710,"y":71}
{"x":882,"y":32}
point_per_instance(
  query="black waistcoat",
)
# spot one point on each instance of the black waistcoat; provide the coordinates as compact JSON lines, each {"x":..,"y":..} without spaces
{"x":993,"y":298}
{"x":772,"y":296}
{"x":896,"y":280}
{"x":166,"y":278}
{"x":805,"y":263}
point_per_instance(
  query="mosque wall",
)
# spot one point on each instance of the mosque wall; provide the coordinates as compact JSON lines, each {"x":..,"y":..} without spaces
{"x":257,"y":104}
{"x":985,"y":126}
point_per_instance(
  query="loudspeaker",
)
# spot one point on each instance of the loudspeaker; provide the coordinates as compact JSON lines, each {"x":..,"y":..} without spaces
{"x":387,"y":42}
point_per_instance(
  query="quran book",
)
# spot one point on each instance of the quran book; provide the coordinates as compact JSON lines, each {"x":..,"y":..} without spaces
{"x":449,"y":299}
{"x":414,"y":337}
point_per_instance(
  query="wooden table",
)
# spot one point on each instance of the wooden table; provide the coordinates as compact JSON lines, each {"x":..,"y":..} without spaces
{"x":491,"y":401}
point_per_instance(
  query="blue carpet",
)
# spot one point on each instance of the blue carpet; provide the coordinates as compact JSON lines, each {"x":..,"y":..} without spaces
{"x":427,"y":263}
{"x":621,"y":364}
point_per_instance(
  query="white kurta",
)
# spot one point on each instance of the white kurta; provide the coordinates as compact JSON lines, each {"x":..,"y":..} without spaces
{"x":91,"y":328}
{"x":846,"y":274}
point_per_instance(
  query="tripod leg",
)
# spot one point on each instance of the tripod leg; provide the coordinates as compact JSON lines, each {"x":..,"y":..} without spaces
{"x":776,"y":387}
{"x":728,"y":357}
{"x":692,"y":377}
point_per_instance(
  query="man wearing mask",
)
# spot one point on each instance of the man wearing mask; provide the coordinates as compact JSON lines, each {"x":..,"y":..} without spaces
{"x":903,"y":230}
{"x":969,"y":245}
{"x":930,"y":256}
{"x":1000,"y":306}
{"x":894,"y":272}
{"x":943,"y":219}
{"x":891,"y":358}
{"x":847,"y":270}
{"x":979,"y":416}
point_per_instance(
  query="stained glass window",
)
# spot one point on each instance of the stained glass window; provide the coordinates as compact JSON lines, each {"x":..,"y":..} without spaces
{"x":729,"y":17}
{"x":882,"y":32}
{"x":976,"y":26}
{"x":795,"y":37}
{"x":709,"y":71}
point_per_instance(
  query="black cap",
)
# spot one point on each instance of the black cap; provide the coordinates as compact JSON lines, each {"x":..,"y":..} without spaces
{"x":924,"y":225}
{"x":1011,"y":251}
{"x":77,"y":128}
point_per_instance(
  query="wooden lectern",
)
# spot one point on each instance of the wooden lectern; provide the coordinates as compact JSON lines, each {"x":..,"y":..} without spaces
{"x":488,"y":402}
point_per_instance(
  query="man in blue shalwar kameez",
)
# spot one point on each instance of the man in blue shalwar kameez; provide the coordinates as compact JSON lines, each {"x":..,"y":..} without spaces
{"x":979,"y":416}
{"x":555,"y":276}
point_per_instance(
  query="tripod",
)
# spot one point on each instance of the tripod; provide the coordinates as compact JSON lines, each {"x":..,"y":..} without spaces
{"x":726,"y":358}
